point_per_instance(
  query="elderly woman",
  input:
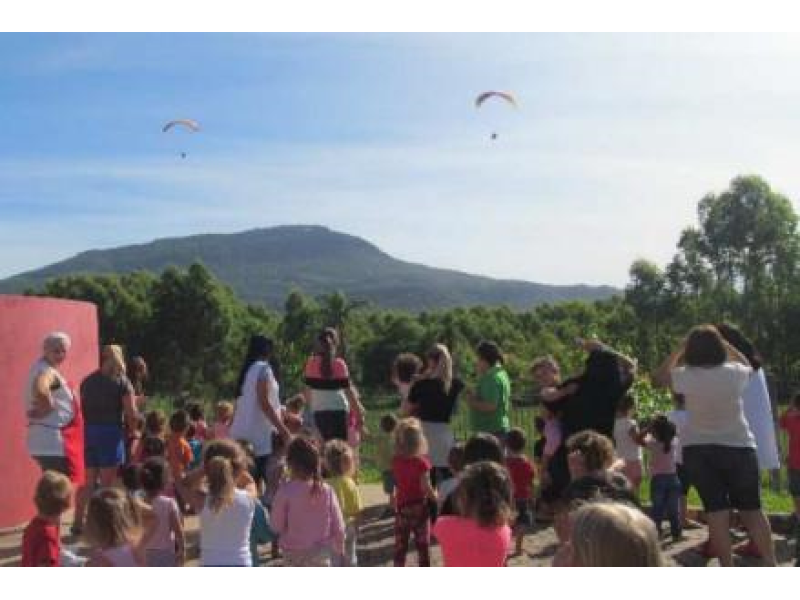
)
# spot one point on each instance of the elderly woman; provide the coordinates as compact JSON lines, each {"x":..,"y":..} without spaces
{"x":55,"y":428}
{"x":108,"y":402}
{"x":719,"y":449}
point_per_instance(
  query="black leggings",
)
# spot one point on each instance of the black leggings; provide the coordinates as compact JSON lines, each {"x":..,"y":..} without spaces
{"x":558,"y":469}
{"x":331,"y":424}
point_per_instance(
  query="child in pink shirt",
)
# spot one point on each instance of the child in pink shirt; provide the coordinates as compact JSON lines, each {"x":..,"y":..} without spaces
{"x":221,"y":430}
{"x":305,"y":513}
{"x":481,"y":537}
{"x":665,"y":487}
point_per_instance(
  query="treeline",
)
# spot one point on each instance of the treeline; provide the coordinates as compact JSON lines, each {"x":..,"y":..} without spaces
{"x":739,"y":264}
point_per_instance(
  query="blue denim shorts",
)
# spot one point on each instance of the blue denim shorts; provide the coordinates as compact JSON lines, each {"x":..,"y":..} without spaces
{"x":103,"y":446}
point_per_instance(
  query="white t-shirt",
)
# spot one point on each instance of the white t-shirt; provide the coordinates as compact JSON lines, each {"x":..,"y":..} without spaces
{"x":627,"y":449}
{"x":678,"y":418}
{"x":225,"y":536}
{"x":44,"y":435}
{"x":249,"y":421}
{"x":715,"y":414}
{"x":758,"y":412}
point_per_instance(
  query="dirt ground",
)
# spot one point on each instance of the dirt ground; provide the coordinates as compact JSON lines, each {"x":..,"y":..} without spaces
{"x":376,"y":542}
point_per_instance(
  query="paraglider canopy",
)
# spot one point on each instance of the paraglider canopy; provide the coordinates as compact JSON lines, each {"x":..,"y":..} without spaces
{"x":507,"y":96}
{"x":189,"y":124}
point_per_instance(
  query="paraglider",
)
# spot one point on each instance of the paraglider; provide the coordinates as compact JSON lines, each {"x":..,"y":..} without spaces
{"x":190,"y":125}
{"x":505,"y":96}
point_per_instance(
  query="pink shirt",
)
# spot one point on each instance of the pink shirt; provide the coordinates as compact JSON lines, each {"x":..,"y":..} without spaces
{"x":307,"y":521}
{"x":661,"y":463}
{"x":552,"y":436}
{"x":221,"y":431}
{"x":164,"y":510}
{"x":466,"y":544}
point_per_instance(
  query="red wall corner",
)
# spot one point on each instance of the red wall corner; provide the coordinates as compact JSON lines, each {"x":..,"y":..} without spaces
{"x":24,"y":322}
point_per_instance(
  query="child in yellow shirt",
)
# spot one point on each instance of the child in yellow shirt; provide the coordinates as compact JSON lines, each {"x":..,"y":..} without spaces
{"x":340,"y":464}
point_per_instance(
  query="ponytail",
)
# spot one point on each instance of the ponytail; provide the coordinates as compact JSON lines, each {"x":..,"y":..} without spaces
{"x":221,"y":484}
{"x":327,"y":343}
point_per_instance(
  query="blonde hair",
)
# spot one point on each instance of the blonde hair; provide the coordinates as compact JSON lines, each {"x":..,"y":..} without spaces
{"x":53,"y":494}
{"x":223,"y":461}
{"x":409,"y":439}
{"x":112,"y":354}
{"x":444,"y":365}
{"x":111,"y":519}
{"x":224,"y":410}
{"x":338,"y":457}
{"x":614,"y":535}
{"x":547,"y":362}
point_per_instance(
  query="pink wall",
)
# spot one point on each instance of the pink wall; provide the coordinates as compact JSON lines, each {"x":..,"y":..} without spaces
{"x":24,"y":322}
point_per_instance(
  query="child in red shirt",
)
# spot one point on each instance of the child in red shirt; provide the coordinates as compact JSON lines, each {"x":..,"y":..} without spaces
{"x":41,"y":542}
{"x":790,"y":422}
{"x":413,"y":489}
{"x":521,"y":470}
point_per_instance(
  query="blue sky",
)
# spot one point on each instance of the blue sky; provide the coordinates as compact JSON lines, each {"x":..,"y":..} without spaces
{"x":615,"y":140}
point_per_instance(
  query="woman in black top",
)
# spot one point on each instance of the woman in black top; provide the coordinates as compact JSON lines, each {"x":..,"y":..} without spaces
{"x":432,"y":399}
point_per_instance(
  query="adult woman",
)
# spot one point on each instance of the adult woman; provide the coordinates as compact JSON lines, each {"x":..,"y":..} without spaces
{"x":719,"y":452}
{"x":257,"y":415}
{"x":329,"y":391}
{"x":756,"y":400}
{"x":432,"y":399}
{"x":55,"y":425}
{"x":138,"y":375}
{"x":586,"y":402}
{"x":490,"y":403}
{"x":108,"y":402}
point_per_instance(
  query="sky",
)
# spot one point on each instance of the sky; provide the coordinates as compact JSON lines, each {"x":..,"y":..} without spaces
{"x":615,"y":139}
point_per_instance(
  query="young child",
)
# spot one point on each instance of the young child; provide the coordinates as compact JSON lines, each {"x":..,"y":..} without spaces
{"x":679,"y":417}
{"x":163,"y":541}
{"x":790,"y":423}
{"x":626,"y":441}
{"x":133,"y":443}
{"x":480,"y":536}
{"x":356,"y":428}
{"x":198,"y":421}
{"x":665,"y":486}
{"x":293,"y":413}
{"x":277,"y":474}
{"x":221,"y":429}
{"x":411,"y":470}
{"x":112,"y":524}
{"x":606,"y":534}
{"x":405,"y":369}
{"x":590,"y":453}
{"x":306,"y":514}
{"x":521,"y":471}
{"x":41,"y":542}
{"x":226,"y":505}
{"x":455,"y":461}
{"x":384,"y":454}
{"x":179,"y":452}
{"x":341,"y":467}
{"x":196,"y":445}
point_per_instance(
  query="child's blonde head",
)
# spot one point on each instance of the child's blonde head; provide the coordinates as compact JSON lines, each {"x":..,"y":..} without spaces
{"x":53,"y":494}
{"x":111,"y":519}
{"x":339,"y":458}
{"x":223,"y":462}
{"x":614,"y":535}
{"x":296,"y":404}
{"x":224,"y":411}
{"x":409,"y":439}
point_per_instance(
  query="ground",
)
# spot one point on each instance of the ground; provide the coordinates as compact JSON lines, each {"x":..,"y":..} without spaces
{"x":376,"y":542}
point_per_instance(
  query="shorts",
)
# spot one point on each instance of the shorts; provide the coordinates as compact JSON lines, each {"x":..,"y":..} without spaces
{"x":524,"y":513}
{"x":331,"y":424}
{"x":387,"y":477}
{"x":686,"y":484}
{"x":725,"y":476}
{"x":794,"y":482}
{"x":53,"y":463}
{"x":103,"y":446}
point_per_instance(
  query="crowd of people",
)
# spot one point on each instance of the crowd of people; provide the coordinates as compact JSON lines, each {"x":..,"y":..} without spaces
{"x":284,"y":472}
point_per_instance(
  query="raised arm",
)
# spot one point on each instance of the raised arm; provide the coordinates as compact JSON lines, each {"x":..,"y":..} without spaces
{"x":662,"y":377}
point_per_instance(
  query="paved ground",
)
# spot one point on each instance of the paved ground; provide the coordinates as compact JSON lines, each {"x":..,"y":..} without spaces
{"x":376,"y":542}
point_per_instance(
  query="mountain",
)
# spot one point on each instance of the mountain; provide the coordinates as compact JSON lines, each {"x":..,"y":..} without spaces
{"x":262,"y":265}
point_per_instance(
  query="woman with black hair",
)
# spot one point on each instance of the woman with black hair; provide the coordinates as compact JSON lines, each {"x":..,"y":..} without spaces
{"x":329,"y":391}
{"x":490,"y":402}
{"x":756,"y":400}
{"x":257,"y":414}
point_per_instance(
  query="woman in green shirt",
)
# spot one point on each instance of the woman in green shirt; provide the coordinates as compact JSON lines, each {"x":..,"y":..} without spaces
{"x":490,"y":402}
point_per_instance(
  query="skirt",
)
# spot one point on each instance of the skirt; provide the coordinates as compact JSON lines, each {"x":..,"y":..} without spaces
{"x":440,"y":440}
